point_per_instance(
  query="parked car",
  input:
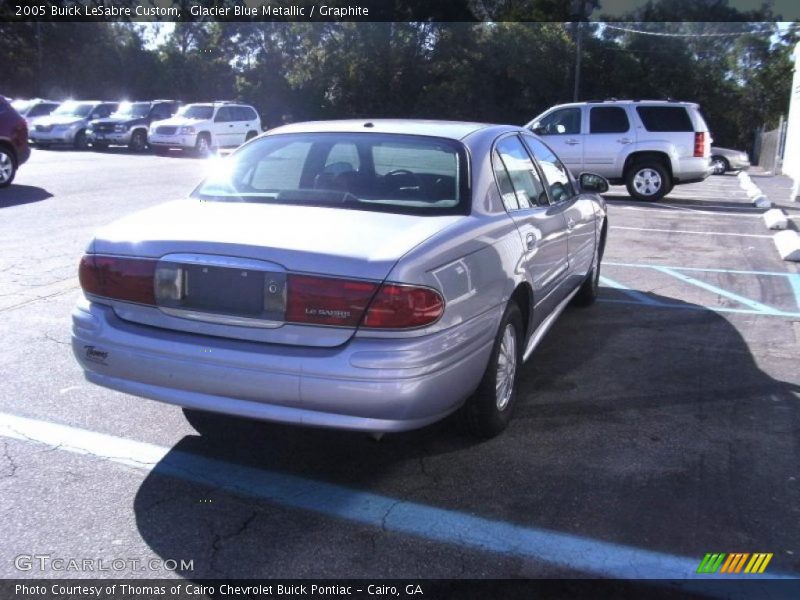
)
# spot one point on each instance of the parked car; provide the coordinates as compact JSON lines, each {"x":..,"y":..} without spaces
{"x":371,"y":276}
{"x":32,"y":109}
{"x":202,"y":127}
{"x":68,"y":123}
{"x":725,"y":159}
{"x":648,"y":145}
{"x":129,"y":124}
{"x":14,"y":149}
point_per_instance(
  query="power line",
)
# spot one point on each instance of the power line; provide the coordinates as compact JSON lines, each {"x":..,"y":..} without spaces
{"x":698,"y":35}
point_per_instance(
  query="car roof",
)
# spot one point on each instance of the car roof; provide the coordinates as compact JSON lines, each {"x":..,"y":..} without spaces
{"x":456,"y":130}
{"x":637,"y":102}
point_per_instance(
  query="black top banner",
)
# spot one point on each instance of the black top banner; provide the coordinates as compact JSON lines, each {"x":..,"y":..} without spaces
{"x":397,"y":10}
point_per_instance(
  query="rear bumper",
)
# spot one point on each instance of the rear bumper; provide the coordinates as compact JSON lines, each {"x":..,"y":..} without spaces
{"x":692,"y":169}
{"x":366,"y":384}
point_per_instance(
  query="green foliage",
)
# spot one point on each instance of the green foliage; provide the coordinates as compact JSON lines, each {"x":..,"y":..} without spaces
{"x":483,"y":71}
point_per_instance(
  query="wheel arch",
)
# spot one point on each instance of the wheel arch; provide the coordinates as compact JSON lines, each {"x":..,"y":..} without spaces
{"x":7,"y":145}
{"x":642,"y":155}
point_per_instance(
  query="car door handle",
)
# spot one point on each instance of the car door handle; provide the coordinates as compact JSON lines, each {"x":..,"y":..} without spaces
{"x":570,"y":224}
{"x":571,"y":142}
{"x":530,"y":241}
{"x":624,"y":140}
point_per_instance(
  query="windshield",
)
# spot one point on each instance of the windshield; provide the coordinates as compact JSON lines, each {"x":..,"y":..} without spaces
{"x":78,"y":109}
{"x":132,"y":109}
{"x":367,"y":171}
{"x":196,"y":111}
{"x":22,"y":105}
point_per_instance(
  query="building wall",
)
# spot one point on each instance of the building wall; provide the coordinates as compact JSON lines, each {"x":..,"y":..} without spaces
{"x":791,"y":159}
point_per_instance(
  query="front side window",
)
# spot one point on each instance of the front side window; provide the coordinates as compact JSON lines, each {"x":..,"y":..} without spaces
{"x":555,"y":173}
{"x":528,"y":187}
{"x":363,"y":171}
{"x":608,"y":119}
{"x":565,"y":121}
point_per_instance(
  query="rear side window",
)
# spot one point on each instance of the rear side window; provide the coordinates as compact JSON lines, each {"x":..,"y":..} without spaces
{"x":528,"y":187}
{"x":608,"y":119}
{"x":665,"y":118}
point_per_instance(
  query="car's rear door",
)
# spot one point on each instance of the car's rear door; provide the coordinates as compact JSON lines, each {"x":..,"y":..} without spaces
{"x":541,"y":226}
{"x":604,"y":147}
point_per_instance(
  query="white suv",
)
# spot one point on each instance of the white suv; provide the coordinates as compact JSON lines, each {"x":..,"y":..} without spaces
{"x":204,"y":126}
{"x":649,"y":145}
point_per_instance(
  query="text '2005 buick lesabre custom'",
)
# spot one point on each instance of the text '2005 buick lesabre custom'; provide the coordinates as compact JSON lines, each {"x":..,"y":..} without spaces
{"x":372,"y":276}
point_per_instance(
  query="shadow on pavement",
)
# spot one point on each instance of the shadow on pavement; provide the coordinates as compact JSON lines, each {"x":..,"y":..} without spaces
{"x":14,"y":195}
{"x":649,"y":428}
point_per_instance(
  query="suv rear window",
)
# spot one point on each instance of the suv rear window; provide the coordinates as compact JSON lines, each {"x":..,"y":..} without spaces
{"x":608,"y":119}
{"x":665,"y":118}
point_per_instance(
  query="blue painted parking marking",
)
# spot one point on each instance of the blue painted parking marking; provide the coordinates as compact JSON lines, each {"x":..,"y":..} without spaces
{"x":390,"y":514}
{"x":753,"y":307}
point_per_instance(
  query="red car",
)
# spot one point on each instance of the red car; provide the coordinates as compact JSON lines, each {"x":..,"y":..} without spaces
{"x":14,"y":148}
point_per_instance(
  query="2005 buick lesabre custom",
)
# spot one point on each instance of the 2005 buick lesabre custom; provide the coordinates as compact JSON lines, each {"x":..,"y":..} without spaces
{"x":372,"y":276}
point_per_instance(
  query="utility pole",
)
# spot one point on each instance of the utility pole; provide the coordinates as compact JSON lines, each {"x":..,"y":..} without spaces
{"x":39,"y":84}
{"x":578,"y":50}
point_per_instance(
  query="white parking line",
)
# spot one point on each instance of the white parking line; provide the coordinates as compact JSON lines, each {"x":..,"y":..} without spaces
{"x":752,"y":235}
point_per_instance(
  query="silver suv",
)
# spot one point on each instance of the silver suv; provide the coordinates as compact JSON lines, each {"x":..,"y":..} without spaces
{"x":649,"y":145}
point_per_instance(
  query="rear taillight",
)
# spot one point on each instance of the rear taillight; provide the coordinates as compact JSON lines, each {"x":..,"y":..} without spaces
{"x":129,"y":279}
{"x":327,"y":300}
{"x":19,"y":134}
{"x":699,"y":144}
{"x":403,"y":307}
{"x":344,"y":302}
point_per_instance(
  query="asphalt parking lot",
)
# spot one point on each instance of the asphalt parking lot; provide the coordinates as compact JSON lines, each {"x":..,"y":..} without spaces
{"x":659,"y":425}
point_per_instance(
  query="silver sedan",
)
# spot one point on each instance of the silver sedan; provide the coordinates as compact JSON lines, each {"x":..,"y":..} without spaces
{"x":363,"y":275}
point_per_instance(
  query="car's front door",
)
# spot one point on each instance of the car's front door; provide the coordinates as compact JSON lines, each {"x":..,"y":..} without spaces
{"x":563,"y":129}
{"x":578,"y":210}
{"x":541,"y":226}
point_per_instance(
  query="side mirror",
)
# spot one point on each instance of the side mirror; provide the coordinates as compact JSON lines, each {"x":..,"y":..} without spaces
{"x":591,"y":182}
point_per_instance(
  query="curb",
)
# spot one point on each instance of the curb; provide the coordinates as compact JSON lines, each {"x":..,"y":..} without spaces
{"x":787,"y":242}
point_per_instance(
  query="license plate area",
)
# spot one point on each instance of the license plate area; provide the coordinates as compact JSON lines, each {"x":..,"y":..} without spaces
{"x":221,"y":293}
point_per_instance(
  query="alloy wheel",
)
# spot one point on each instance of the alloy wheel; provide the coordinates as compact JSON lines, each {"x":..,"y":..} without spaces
{"x":647,"y":182}
{"x":506,"y":367}
{"x":6,"y":167}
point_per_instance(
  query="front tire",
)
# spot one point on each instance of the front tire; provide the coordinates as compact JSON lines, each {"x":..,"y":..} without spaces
{"x":489,"y":410}
{"x":720,"y":165}
{"x":590,"y":288}
{"x":648,"y":180}
{"x":80,"y":142}
{"x":138,"y":141}
{"x":8,"y":168}
{"x":202,"y":146}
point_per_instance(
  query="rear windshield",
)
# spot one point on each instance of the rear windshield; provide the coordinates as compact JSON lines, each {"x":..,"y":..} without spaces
{"x":665,"y":118}
{"x":364,"y":171}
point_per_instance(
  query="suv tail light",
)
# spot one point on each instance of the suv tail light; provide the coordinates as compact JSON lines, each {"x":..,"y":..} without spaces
{"x":129,"y":279}
{"x":19,"y":135}
{"x":699,"y":144}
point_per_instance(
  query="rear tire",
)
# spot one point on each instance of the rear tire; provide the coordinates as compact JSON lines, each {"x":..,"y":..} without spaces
{"x":250,"y":135}
{"x":8,"y":167}
{"x":488,"y":411}
{"x":648,"y":180}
